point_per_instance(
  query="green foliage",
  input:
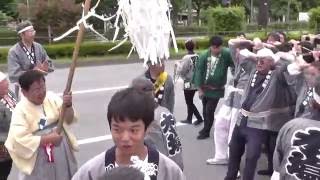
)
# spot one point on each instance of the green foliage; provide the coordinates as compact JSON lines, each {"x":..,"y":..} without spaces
{"x":293,"y":25}
{"x":225,"y":19}
{"x":86,"y":49}
{"x":9,"y":8}
{"x":90,"y":49}
{"x":3,"y":55}
{"x":314,"y":21}
{"x":280,"y":7}
{"x":307,"y":5}
{"x":7,"y":36}
{"x":4,"y":18}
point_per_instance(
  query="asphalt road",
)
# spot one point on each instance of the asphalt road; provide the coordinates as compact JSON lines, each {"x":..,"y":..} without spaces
{"x":93,"y":88}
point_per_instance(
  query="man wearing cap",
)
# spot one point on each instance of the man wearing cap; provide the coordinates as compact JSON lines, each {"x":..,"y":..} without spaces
{"x":210,"y":78}
{"x":265,"y":107}
{"x":297,"y":151}
{"x":26,"y":54}
{"x":7,"y":104}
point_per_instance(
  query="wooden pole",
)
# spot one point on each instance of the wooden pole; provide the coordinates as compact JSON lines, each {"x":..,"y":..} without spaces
{"x":74,"y":64}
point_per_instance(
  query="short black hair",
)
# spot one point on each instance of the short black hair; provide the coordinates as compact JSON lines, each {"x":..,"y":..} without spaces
{"x":285,"y":47}
{"x":283,"y":34}
{"x":131,"y":104}
{"x":241,"y":34}
{"x":274,"y":35}
{"x":189,"y":45}
{"x":124,"y":173}
{"x":246,"y":45}
{"x":216,"y":41}
{"x":142,"y":84}
{"x":29,"y":77}
{"x":306,"y":44}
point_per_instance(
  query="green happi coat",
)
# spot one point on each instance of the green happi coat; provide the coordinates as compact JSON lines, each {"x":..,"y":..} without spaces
{"x":212,"y":72}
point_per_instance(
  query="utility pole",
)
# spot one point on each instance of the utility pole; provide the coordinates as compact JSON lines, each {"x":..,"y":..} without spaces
{"x":189,"y":12}
{"x":28,"y":10}
{"x":263,"y":13}
{"x":288,"y":11}
{"x":251,"y":11}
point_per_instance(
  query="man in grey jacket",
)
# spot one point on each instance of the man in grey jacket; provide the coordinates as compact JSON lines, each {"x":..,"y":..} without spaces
{"x":162,"y":133}
{"x":27,"y":55}
{"x":265,"y":107}
{"x":297,"y":151}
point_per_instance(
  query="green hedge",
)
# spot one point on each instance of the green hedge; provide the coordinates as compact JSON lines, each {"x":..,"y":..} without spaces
{"x":57,"y":51}
{"x":294,"y":25}
{"x":7,"y":36}
{"x":3,"y":55}
{"x":226,"y":19}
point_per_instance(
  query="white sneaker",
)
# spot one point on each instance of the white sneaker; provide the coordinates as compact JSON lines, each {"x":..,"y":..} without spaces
{"x":213,"y":161}
{"x":238,"y":175}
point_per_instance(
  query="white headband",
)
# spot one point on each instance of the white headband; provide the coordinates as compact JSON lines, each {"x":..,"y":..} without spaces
{"x":25,"y":29}
{"x":316,"y":96}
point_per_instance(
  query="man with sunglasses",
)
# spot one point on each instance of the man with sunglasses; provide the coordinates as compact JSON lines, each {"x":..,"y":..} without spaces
{"x":265,"y":108}
{"x":26,"y":55}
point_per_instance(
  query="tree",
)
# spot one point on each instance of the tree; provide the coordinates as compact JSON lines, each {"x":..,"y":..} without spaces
{"x":52,"y":16}
{"x":307,"y":5}
{"x":9,"y":7}
{"x":199,"y":5}
{"x":280,"y":8}
{"x":177,"y":6}
{"x":263,"y":15}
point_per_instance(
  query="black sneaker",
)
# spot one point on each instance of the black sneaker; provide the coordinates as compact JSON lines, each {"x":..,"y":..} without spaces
{"x":265,"y":172}
{"x":197,"y":122}
{"x":186,"y":121}
{"x":201,"y":131}
{"x":203,"y":136}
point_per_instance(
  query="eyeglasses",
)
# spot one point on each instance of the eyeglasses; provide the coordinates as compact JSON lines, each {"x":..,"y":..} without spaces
{"x":31,"y":31}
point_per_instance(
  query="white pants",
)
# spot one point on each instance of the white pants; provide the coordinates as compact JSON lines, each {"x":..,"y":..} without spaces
{"x":225,"y":121}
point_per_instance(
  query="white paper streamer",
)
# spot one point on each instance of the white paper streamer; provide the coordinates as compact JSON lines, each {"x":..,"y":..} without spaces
{"x":148,"y":169}
{"x":91,"y":13}
{"x":147,"y":25}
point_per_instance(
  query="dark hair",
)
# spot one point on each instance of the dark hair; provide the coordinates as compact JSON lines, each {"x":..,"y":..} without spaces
{"x":241,"y":34}
{"x":23,"y":25}
{"x":307,"y":56}
{"x":29,"y":77}
{"x":316,"y":41}
{"x":283,"y":34}
{"x":246,"y":45}
{"x":307,"y":45}
{"x":131,"y":104}
{"x":274,"y":35}
{"x":285,"y":47}
{"x":142,"y":84}
{"x":307,"y":38}
{"x":216,"y":41}
{"x":189,"y":45}
{"x":124,"y":173}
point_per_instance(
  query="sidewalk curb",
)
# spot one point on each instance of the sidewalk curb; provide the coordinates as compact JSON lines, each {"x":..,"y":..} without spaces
{"x":88,"y":63}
